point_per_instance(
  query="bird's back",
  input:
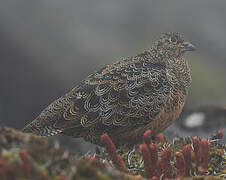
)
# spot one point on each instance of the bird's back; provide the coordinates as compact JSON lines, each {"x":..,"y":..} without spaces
{"x":122,"y":99}
{"x":116,"y":98}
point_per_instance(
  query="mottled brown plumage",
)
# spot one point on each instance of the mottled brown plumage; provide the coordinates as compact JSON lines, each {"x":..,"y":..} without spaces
{"x":124,"y":99}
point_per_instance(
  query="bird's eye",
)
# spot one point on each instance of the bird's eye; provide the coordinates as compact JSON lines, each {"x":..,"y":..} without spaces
{"x":173,"y":39}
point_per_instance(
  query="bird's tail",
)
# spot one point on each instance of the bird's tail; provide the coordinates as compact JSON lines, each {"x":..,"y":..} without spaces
{"x":35,"y":127}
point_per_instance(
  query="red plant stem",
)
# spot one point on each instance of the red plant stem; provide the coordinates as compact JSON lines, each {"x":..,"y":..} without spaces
{"x":204,"y":153}
{"x":158,"y":169}
{"x":180,"y":165}
{"x":160,"y":138}
{"x":26,"y":162}
{"x":61,"y":177}
{"x":220,"y":134}
{"x":150,"y":154}
{"x":92,"y":158}
{"x":110,"y":148}
{"x":148,"y":166}
{"x":44,"y":175}
{"x":147,"y":137}
{"x":187,"y":157}
{"x":106,"y":164}
{"x":4,"y":168}
{"x":154,"y":178}
{"x":196,"y":145}
{"x":154,"y":154}
{"x":166,"y":167}
{"x":220,"y":151}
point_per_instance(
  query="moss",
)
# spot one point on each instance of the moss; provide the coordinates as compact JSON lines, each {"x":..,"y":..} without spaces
{"x":216,"y":156}
{"x":41,"y":161}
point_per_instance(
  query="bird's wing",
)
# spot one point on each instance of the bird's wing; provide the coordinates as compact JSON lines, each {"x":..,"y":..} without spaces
{"x":124,"y":94}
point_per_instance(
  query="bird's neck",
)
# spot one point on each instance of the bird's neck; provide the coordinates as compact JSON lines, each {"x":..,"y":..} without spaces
{"x":180,"y":67}
{"x":162,"y":55}
{"x":174,"y":63}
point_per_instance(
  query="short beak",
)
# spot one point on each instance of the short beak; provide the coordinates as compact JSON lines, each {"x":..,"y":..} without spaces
{"x":189,"y":47}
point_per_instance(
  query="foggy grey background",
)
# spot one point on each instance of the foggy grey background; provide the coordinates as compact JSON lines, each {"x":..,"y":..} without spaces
{"x":48,"y":46}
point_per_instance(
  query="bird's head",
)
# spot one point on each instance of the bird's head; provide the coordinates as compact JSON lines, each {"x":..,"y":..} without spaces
{"x":173,"y":44}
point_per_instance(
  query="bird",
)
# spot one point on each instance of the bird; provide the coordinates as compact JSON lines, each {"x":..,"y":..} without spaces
{"x":125,"y":98}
